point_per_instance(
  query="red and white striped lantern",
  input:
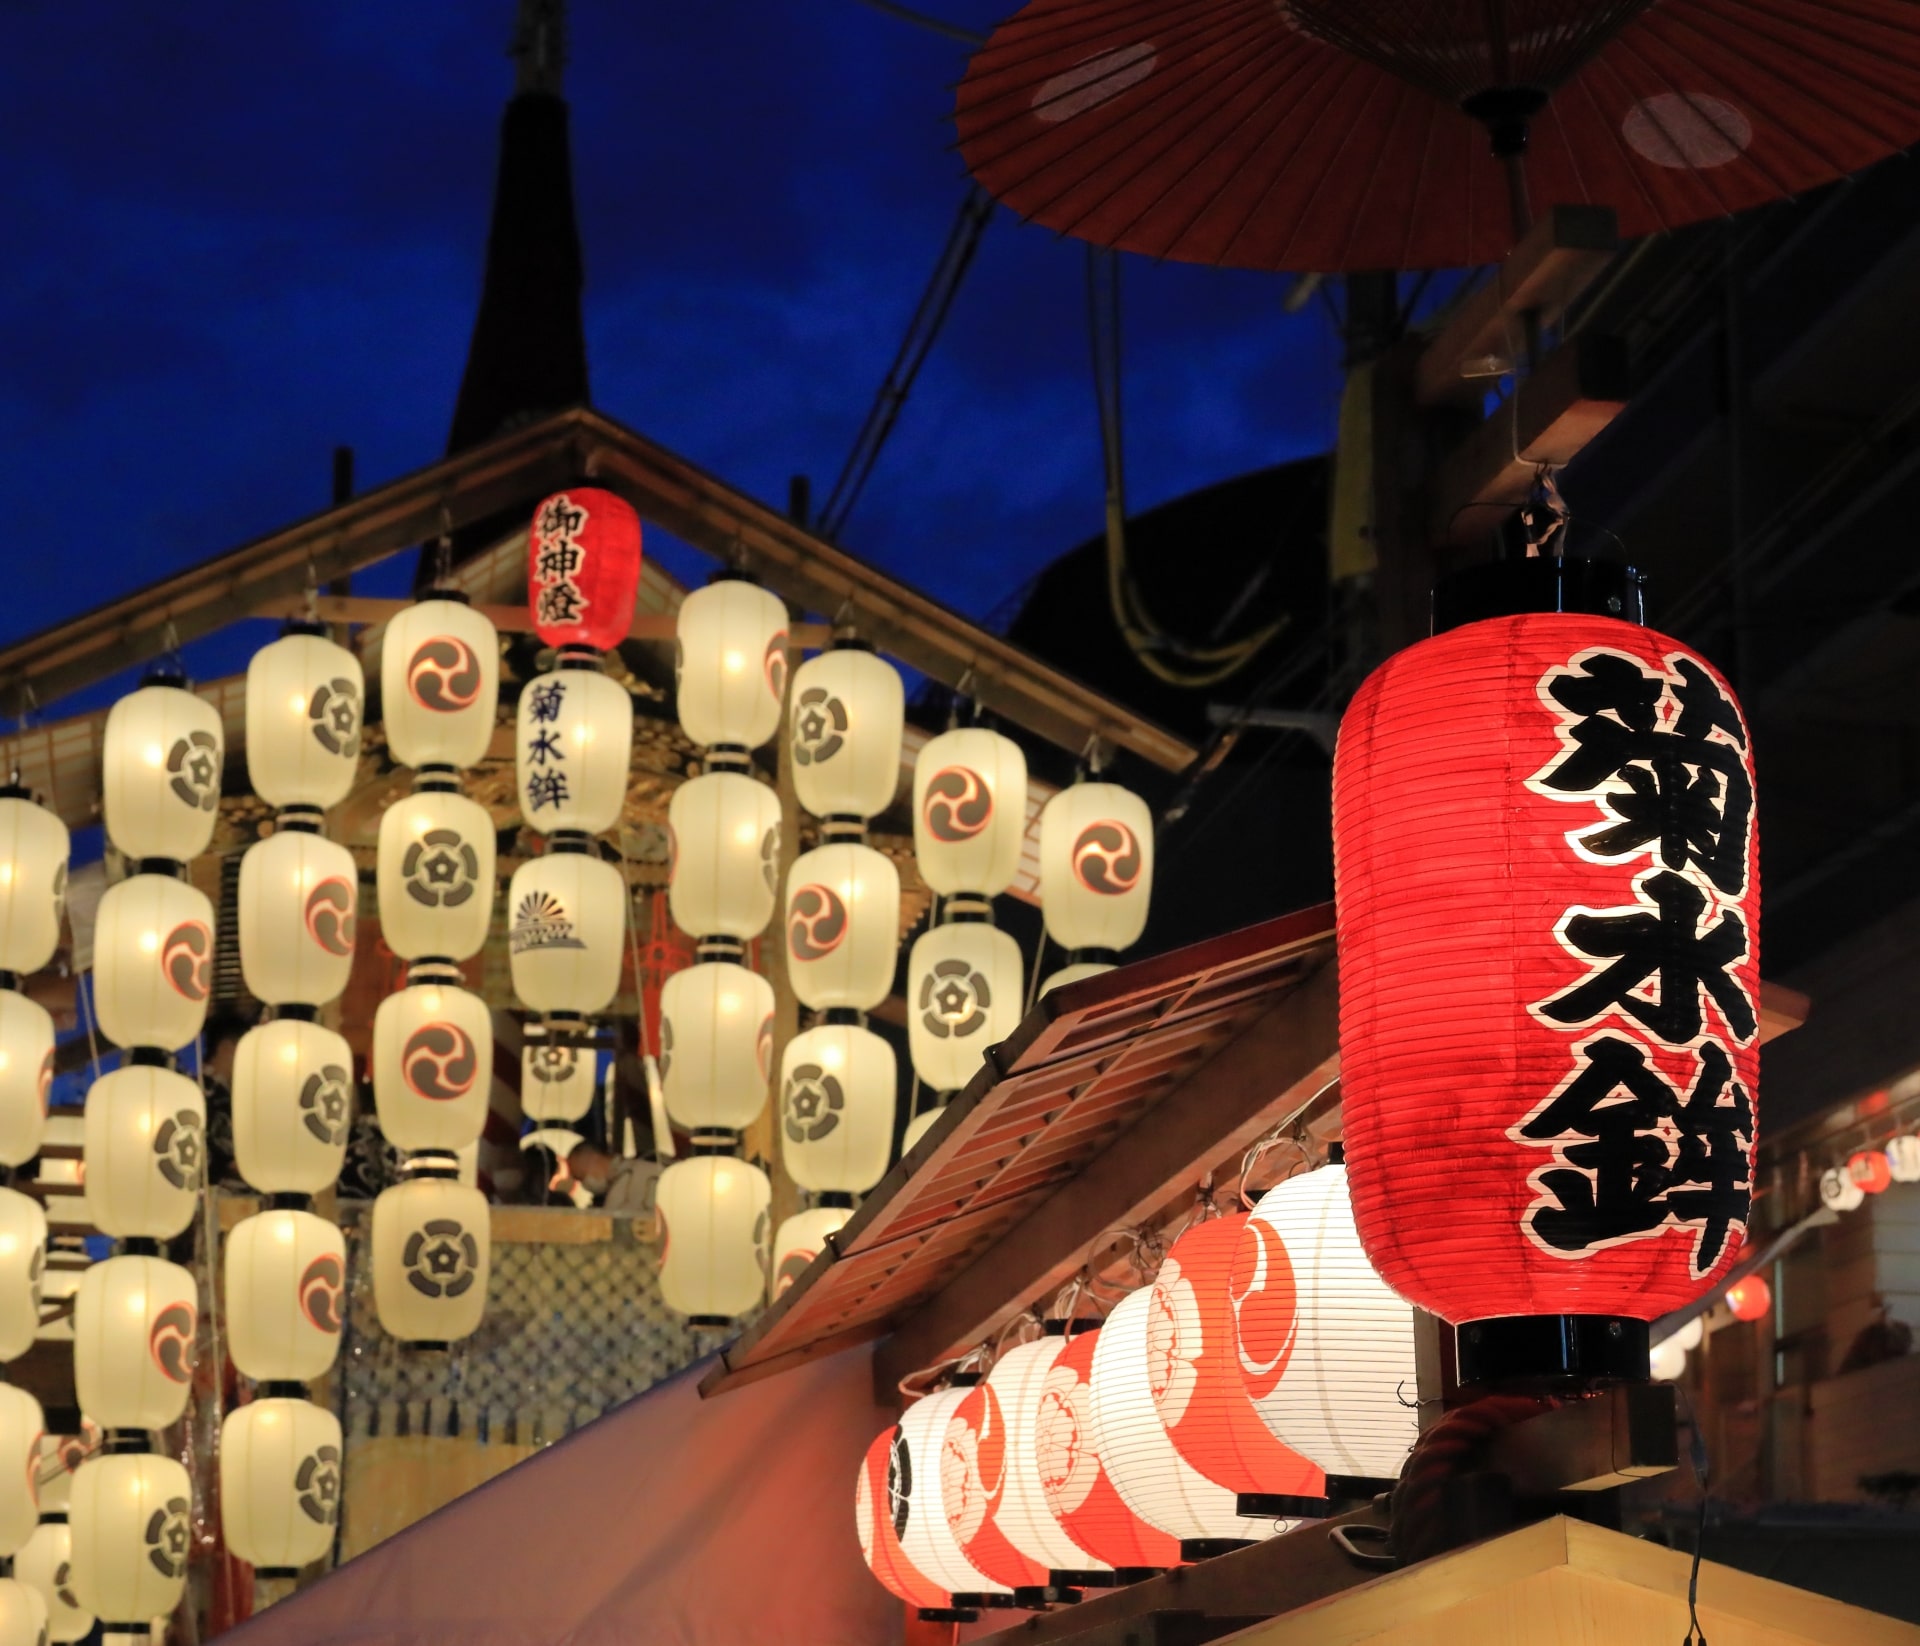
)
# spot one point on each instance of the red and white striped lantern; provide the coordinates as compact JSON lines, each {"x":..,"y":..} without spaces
{"x":974,"y":1460}
{"x":882,"y":1507}
{"x":1020,"y":1381}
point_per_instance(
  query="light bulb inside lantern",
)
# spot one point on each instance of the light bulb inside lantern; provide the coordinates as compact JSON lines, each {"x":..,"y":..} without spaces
{"x":283,"y":1232}
{"x":149,"y":942}
{"x":154,"y":754}
{"x":297,"y":703}
{"x":744,"y":834}
{"x":832,"y":1057}
{"x":289,"y":1054}
{"x":431,"y":1000}
{"x":729,"y":1003}
{"x":734,"y":662}
{"x":6,"y":874}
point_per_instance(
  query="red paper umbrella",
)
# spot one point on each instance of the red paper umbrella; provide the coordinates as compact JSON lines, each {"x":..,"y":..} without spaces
{"x":1354,"y":134}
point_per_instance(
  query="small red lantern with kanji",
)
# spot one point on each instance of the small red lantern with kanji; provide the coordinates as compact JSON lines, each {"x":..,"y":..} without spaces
{"x":583,"y":568}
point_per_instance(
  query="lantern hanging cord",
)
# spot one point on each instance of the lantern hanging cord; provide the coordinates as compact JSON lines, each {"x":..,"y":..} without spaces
{"x":86,"y":1013}
{"x":29,"y":706}
{"x":1702,"y":1474}
{"x":209,"y":1255}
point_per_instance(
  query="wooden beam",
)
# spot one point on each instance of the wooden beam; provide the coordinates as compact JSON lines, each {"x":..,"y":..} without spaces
{"x":1782,"y":1010}
{"x":1626,"y":1433}
{"x":657,"y":627}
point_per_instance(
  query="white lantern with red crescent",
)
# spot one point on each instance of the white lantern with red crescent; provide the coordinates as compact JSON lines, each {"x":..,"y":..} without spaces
{"x":432,"y":1256}
{"x":33,"y":881}
{"x":286,"y":1277}
{"x":152,"y":961}
{"x":435,"y":874}
{"x":432,"y":1065}
{"x":731,"y":668}
{"x":145,"y":1147}
{"x":714,"y":1214}
{"x":280,"y":1468}
{"x":1325,"y":1347}
{"x":1020,"y":1382}
{"x":583,"y":568}
{"x":566,"y":929}
{"x":46,"y":1566}
{"x":23,"y":1261}
{"x":299,"y":894}
{"x":844,"y":729}
{"x":929,"y":1540}
{"x":161,"y":761}
{"x":838,"y":1088}
{"x":26,"y":1074}
{"x":964,"y":982}
{"x":292,"y":1105}
{"x":974,"y":1461}
{"x":21,"y":1425}
{"x":1096,"y":867}
{"x":725,"y":829}
{"x":716,"y":1045}
{"x":557,"y":1069}
{"x":798,"y":1241}
{"x":573,"y":742}
{"x":882,"y":1510}
{"x":969,"y":811}
{"x":132,"y":1532}
{"x":305,"y":703}
{"x":439,"y":683}
{"x":134,"y":1325}
{"x":843,"y":926}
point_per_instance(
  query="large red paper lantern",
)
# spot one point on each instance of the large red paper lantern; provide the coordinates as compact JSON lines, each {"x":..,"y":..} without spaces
{"x":583,"y":568}
{"x":973,"y":1483}
{"x":1547,"y":872}
{"x":882,"y":1503}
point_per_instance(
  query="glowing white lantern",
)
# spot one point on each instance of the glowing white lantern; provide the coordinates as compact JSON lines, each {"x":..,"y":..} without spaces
{"x":286,"y":1295}
{"x":299,"y":894}
{"x":432,"y":1252}
{"x":23,"y":1261}
{"x":160,"y":773}
{"x":969,"y":811}
{"x":716,"y":1045}
{"x":33,"y":881}
{"x":556,"y":1075}
{"x":799,"y":1240}
{"x":1667,"y":1361}
{"x":23,"y":1614}
{"x":21,"y":1425}
{"x":1019,"y":1382}
{"x":843,"y":926}
{"x":134,"y":1325}
{"x":132,"y":1527}
{"x":963,"y":995}
{"x":1096,"y":866}
{"x":279,"y":1483}
{"x":713,"y":1212}
{"x":292,"y":1106}
{"x":60,"y":1456}
{"x":572,"y":745}
{"x":1325,"y":1347}
{"x":920,"y":1125}
{"x":439,"y":683}
{"x":844,"y":728}
{"x":45,"y":1565}
{"x":837,"y":1094}
{"x":732,"y":663}
{"x":1073,"y":974}
{"x":1903,"y":1158}
{"x":26,"y":1074}
{"x":305,"y":702}
{"x":566,"y":931}
{"x":432,"y":1066}
{"x":435,"y":875}
{"x":725,"y":829}
{"x":929,"y":1542}
{"x":145,"y":1143}
{"x":152,"y":961}
{"x":1838,"y":1191}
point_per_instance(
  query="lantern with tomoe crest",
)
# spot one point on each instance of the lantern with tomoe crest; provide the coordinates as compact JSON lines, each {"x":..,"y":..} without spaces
{"x":134,"y":1325}
{"x":439,"y":682}
{"x":432,"y":1065}
{"x":285,"y":1294}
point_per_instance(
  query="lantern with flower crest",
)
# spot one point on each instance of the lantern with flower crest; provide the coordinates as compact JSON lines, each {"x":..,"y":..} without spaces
{"x":837,"y":1094}
{"x":305,"y":703}
{"x":132,"y":1533}
{"x":292,"y":1105}
{"x":432,"y":1253}
{"x":281,"y":1460}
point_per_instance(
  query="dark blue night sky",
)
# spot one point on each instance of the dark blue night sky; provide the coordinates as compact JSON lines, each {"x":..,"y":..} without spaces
{"x":238,"y":235}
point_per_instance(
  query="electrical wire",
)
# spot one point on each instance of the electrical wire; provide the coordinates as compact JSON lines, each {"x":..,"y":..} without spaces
{"x":934,"y":25}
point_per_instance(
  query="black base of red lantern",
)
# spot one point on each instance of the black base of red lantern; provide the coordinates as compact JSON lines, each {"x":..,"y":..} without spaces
{"x":948,"y":1614}
{"x":1549,"y":583}
{"x":1522,"y":1350}
{"x":1084,"y":1580}
{"x":1038,"y":1597}
{"x":981,"y":1602}
{"x":1207,"y":1548}
{"x":1344,"y":1492}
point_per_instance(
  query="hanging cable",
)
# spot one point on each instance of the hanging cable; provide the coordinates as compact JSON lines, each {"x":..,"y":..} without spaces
{"x":934,"y":25}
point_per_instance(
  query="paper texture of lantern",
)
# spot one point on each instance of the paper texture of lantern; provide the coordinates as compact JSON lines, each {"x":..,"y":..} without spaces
{"x":731,"y":664}
{"x":160,"y":768}
{"x":1020,"y":1381}
{"x":566,"y":932}
{"x":1325,"y":1347}
{"x":306,"y":699}
{"x":26,"y":1074}
{"x":1096,"y":867}
{"x":21,"y":1425}
{"x":292,"y":1106}
{"x":23,"y":1259}
{"x":714,"y":1216}
{"x":583,"y":568}
{"x":46,"y":1566}
{"x":132,"y":1531}
{"x":844,"y":726}
{"x":843,"y":926}
{"x":152,"y":961}
{"x":1072,"y":974}
{"x":573,"y":742}
{"x":435,"y":875}
{"x":1903,"y":1158}
{"x":145,"y":1146}
{"x":882,"y":1509}
{"x":280,"y":1465}
{"x":286,"y":1277}
{"x":1839,"y":1192}
{"x":432,"y":1254}
{"x":1554,"y":975}
{"x":439,"y":683}
{"x":837,"y":1094}
{"x":557,"y":1073}
{"x":798,"y":1241}
{"x":432,"y":1066}
{"x":33,"y":881}
{"x":23,"y":1614}
{"x":964,"y":983}
{"x":929,"y":1539}
{"x":299,"y":895}
{"x":725,"y":829}
{"x":969,"y":811}
{"x":973,"y":1486}
{"x":716,"y":1045}
{"x":134,"y":1320}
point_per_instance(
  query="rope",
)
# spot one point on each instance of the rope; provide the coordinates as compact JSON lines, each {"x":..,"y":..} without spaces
{"x":1449,"y":1449}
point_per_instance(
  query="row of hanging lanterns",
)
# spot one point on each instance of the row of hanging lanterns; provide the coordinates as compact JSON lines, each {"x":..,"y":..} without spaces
{"x":1844,"y":1188}
{"x":44,"y":1563}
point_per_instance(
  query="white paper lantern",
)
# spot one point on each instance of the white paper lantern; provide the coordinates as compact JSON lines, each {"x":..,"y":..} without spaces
{"x":132,"y":1526}
{"x":160,"y":773}
{"x":1073,"y":974}
{"x":1667,"y":1361}
{"x":292,"y":1106}
{"x":305,"y":707}
{"x":731,"y":665}
{"x":299,"y":895}
{"x":26,"y":1075}
{"x":573,"y":743}
{"x":145,"y":1143}
{"x":45,"y":1565}
{"x":60,"y":1456}
{"x":439,"y":683}
{"x":1325,"y":1346}
{"x":725,"y":829}
{"x":566,"y":932}
{"x":919,"y":1126}
{"x":21,"y":1425}
{"x":1689,"y":1335}
{"x":432,"y":1254}
{"x":837,"y":1095}
{"x":1903,"y":1158}
{"x":134,"y":1326}
{"x":152,"y":962}
{"x":286,"y":1295}
{"x":843,"y":926}
{"x":798,"y":1241}
{"x":280,"y":1464}
{"x":432,"y":1066}
{"x":23,"y":1614}
{"x":1018,"y":1381}
{"x":1096,"y":866}
{"x":23,"y":1261}
{"x":844,"y":729}
{"x":557,"y":1075}
{"x":716,"y":1045}
{"x":1838,"y":1191}
{"x":969,"y":811}
{"x":714,"y":1214}
{"x":33,"y":881}
{"x":929,"y":1542}
{"x":435,"y":875}
{"x":963,"y":995}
